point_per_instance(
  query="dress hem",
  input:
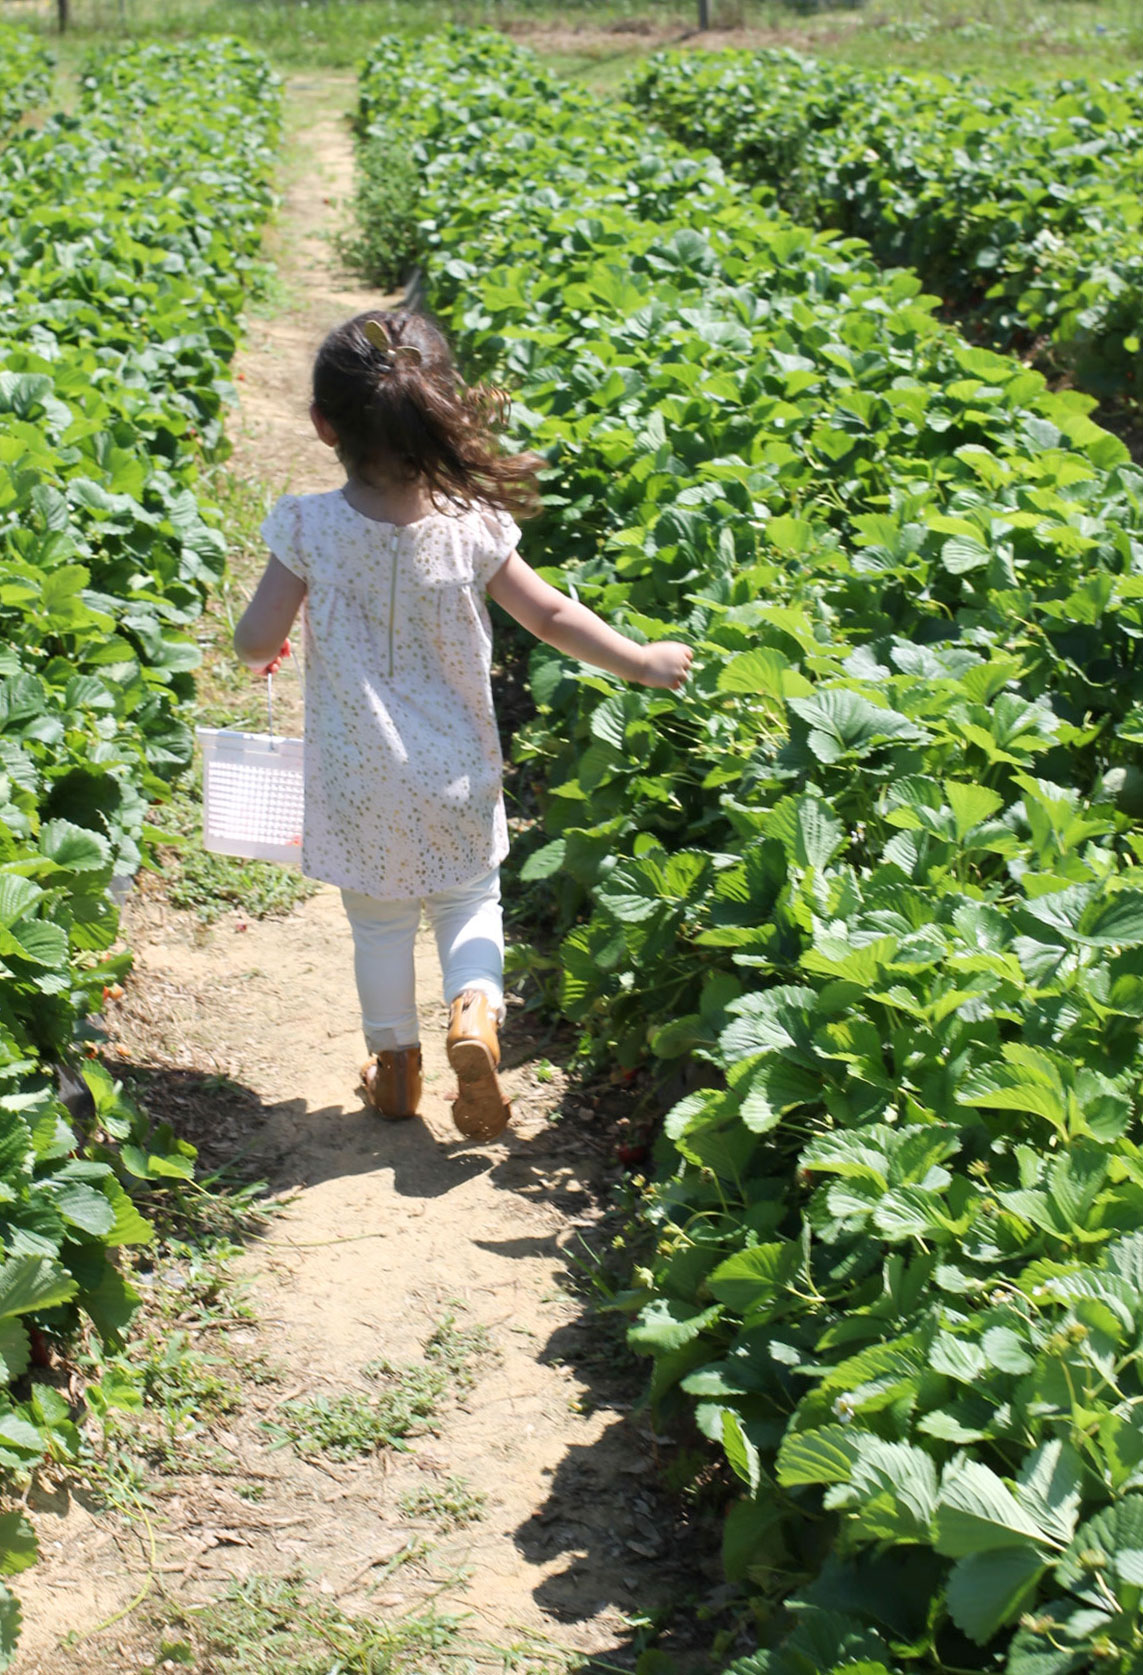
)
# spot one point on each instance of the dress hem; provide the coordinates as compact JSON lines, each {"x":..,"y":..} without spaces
{"x":499,"y":856}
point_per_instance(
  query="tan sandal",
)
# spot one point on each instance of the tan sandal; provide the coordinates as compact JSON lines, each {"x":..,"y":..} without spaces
{"x":392,"y":1082}
{"x":480,"y":1110}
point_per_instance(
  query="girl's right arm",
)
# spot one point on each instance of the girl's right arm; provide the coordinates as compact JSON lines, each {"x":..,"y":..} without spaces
{"x":572,"y":628}
{"x":260,"y":638}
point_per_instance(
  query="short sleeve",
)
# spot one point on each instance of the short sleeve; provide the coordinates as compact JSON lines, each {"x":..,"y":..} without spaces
{"x":282,"y":533}
{"x":497,"y":537}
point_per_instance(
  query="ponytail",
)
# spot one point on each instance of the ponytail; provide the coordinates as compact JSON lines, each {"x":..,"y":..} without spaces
{"x":386,"y":383}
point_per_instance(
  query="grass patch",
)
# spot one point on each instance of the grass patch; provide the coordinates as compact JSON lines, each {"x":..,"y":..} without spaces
{"x":180,"y":1373}
{"x":592,"y":39}
{"x":360,"y":1422}
{"x":449,"y":1504}
{"x":458,"y":1350}
{"x":357,"y":1422}
{"x":333,"y":34}
{"x":266,"y":1626}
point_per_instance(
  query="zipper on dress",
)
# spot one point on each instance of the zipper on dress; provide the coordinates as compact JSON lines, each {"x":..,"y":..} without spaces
{"x":393,"y":605}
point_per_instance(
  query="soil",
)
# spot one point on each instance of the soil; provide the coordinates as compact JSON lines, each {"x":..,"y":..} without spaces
{"x":245,"y":1035}
{"x":640,"y":35}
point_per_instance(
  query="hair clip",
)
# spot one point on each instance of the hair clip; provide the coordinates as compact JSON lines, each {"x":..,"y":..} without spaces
{"x":378,"y":335}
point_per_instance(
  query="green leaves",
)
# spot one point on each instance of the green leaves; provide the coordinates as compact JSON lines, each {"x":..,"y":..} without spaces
{"x":73,"y":848}
{"x":808,"y":829}
{"x":28,"y":1283}
{"x":667,"y":1325}
{"x":18,"y":1547}
{"x":981,"y":1522}
{"x":855,"y":878}
{"x":893,"y":1491}
{"x":956,"y":180}
{"x":844,"y":724}
{"x":741,"y":1451}
{"x":764,"y":674}
{"x":1050,"y":1487}
{"x":105,"y":555}
{"x":9,"y":1625}
{"x":987,"y":1590}
{"x":753,"y":1276}
{"x":779,"y":1019}
{"x":127,"y":231}
{"x":1109,"y":1545}
{"x":25,"y":74}
{"x":976,"y":1513}
{"x":822,"y":1456}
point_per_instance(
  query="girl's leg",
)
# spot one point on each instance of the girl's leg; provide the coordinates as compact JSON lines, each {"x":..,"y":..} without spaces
{"x":470,"y":938}
{"x":383,"y":936}
{"x":469,"y":927}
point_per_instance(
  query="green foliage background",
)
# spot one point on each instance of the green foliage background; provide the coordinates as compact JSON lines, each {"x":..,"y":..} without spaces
{"x":875,"y":873}
{"x":128,"y":231}
{"x":1020,"y":204}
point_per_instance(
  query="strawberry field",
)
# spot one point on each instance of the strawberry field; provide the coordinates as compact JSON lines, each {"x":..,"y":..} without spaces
{"x":25,"y":73}
{"x":871,"y":884}
{"x":865,"y":897}
{"x":128,"y":231}
{"x":1019,"y":204}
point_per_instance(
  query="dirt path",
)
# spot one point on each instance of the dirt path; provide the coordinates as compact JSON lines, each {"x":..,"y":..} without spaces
{"x":390,"y":1231}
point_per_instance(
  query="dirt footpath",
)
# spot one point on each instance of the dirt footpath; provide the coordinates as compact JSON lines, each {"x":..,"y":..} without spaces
{"x":391,"y":1233}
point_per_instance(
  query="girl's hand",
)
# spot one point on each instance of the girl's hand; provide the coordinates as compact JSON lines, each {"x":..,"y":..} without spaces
{"x":666,"y":663}
{"x":275,"y":663}
{"x":578,"y":632}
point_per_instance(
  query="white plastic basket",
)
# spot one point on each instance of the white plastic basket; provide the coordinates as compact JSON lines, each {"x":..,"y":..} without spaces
{"x":253,"y":795}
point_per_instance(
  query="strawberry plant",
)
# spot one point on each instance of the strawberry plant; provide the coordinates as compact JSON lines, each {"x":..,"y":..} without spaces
{"x":871,"y":884}
{"x":128,"y":233}
{"x":25,"y":75}
{"x":1020,"y":205}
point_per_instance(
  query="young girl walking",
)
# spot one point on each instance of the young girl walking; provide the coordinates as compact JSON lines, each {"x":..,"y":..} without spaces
{"x":403,"y":805}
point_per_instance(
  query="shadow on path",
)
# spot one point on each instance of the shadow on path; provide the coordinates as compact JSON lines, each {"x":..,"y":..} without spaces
{"x":609,"y":1532}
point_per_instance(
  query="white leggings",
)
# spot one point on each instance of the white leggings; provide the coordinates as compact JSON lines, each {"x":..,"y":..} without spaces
{"x":470,"y":940}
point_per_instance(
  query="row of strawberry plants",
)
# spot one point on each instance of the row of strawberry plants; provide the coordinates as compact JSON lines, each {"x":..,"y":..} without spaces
{"x":1020,"y":205}
{"x":867,"y":875}
{"x":25,"y":75}
{"x":127,"y":233}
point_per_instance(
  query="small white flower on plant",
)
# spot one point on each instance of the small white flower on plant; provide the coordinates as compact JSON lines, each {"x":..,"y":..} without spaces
{"x":844,"y":1408}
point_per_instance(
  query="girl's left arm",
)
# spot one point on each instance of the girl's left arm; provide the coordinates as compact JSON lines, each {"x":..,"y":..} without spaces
{"x":260,"y":638}
{"x":572,"y":628}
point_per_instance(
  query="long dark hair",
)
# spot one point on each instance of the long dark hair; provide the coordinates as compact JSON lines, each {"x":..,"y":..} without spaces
{"x":386,"y":383}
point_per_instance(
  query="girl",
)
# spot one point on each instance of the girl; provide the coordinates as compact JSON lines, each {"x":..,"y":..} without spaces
{"x":403,"y":804}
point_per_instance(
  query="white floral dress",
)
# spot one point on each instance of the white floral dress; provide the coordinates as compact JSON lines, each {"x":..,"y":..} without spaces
{"x":402,"y":756}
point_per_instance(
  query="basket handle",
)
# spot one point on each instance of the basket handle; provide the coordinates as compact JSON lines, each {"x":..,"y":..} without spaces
{"x":270,"y":698}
